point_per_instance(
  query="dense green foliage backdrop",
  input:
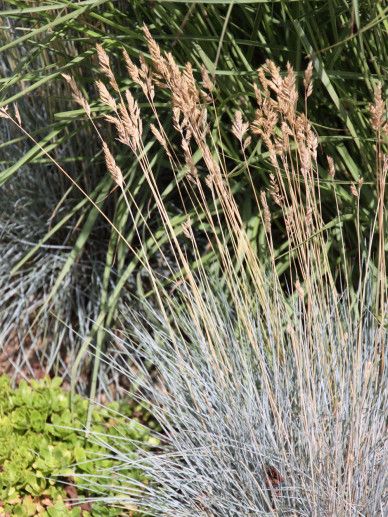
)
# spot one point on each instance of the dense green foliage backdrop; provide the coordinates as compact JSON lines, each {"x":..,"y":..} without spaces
{"x":59,"y":252}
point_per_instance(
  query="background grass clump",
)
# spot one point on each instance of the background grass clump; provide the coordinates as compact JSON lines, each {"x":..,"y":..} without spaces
{"x":44,"y":453}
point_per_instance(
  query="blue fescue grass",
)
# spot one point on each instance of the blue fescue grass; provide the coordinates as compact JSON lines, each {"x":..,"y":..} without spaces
{"x":270,"y":388}
{"x":307,"y":402}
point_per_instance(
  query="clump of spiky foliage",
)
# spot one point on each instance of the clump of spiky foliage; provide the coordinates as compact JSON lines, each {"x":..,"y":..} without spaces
{"x":260,"y":418}
{"x":49,"y":283}
{"x":270,"y":387}
{"x":36,"y":328}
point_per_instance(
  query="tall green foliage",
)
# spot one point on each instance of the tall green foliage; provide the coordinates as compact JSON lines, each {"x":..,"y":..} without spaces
{"x":346,"y":42}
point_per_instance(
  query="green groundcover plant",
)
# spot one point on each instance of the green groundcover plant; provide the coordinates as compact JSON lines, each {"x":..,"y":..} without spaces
{"x":44,"y":453}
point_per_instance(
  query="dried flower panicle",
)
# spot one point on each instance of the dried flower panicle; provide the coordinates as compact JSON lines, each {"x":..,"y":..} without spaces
{"x":290,"y":221}
{"x":132,"y":69}
{"x":307,"y":81}
{"x":282,"y":107}
{"x":4,"y":112}
{"x":112,"y":167}
{"x":158,"y":135}
{"x":186,"y":96}
{"x":353,"y":190}
{"x":155,"y":52}
{"x":187,"y":229}
{"x":207,"y":82}
{"x":309,"y":217}
{"x":140,"y":75}
{"x":133,"y":124}
{"x":275,"y":191}
{"x":247,"y":142}
{"x":299,"y":289}
{"x":76,"y":93}
{"x":331,"y":166}
{"x":17,"y":114}
{"x":377,"y":109}
{"x":146,"y":82}
{"x":267,"y":213}
{"x":104,"y":63}
{"x":265,"y":121}
{"x":105,"y":97}
{"x":239,"y":127}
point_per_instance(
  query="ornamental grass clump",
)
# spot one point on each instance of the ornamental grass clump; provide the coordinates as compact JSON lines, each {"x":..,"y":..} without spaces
{"x":29,"y":345}
{"x":268,"y":377}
